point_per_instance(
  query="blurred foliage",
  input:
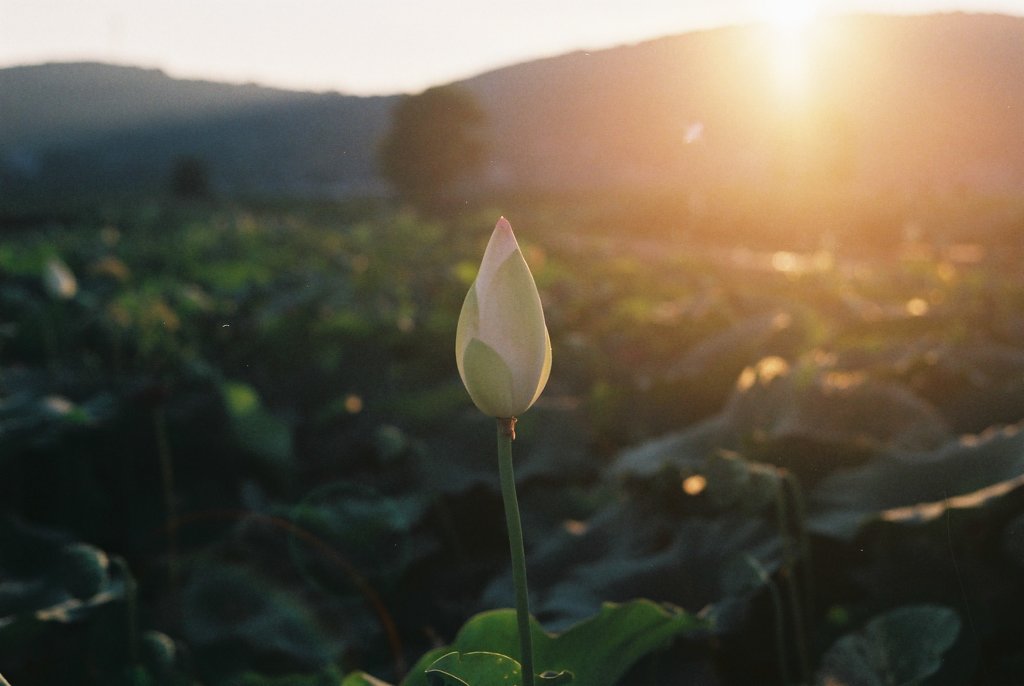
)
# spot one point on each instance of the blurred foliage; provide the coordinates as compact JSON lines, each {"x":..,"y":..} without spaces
{"x":235,"y":450}
{"x":903,"y":646}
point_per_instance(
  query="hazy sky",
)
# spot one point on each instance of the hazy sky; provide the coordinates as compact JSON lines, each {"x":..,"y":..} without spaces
{"x":371,"y":46}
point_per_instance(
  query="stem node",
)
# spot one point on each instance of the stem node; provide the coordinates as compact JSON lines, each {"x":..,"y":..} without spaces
{"x":507,"y":427}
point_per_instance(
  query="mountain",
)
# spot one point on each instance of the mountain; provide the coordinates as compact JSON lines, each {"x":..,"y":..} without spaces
{"x":88,"y":126}
{"x":891,"y":102}
{"x":891,"y":107}
{"x":57,"y":103}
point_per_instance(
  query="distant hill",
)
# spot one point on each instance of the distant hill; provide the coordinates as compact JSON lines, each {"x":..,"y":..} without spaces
{"x":57,"y":103}
{"x":892,"y":102}
{"x":95,"y":126}
{"x":894,"y":105}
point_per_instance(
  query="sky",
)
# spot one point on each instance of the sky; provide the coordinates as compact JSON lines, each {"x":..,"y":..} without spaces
{"x":372,"y":47}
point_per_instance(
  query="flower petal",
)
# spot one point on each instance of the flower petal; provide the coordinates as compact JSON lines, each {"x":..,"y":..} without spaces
{"x":467,"y":329}
{"x":500,"y":246}
{"x":488,"y":380}
{"x":512,"y":322}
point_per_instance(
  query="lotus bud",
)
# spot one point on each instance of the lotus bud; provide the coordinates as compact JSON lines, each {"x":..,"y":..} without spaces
{"x":502,"y":346}
{"x":58,"y":280}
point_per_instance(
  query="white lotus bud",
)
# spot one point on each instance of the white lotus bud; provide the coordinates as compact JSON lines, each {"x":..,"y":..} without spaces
{"x":502,"y":346}
{"x":58,"y":279}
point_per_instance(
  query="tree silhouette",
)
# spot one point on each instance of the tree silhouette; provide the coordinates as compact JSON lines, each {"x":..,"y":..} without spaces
{"x":190,"y":178}
{"x":433,"y":143}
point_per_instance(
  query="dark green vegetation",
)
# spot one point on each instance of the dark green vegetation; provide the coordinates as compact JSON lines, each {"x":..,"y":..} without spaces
{"x":237,"y":451}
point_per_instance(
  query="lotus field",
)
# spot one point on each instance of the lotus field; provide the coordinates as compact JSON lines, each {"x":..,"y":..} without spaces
{"x":237,"y":449}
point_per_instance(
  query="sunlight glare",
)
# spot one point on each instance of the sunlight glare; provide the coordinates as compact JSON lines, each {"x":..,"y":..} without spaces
{"x":764,"y":372}
{"x":791,"y":15}
{"x":353,"y":403}
{"x":575,"y":527}
{"x":789,"y":24}
{"x":917,"y":307}
{"x":694,"y":132}
{"x":694,"y":485}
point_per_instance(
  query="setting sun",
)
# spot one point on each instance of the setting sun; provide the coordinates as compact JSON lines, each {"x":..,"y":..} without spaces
{"x":790,"y":25}
{"x":791,"y":15}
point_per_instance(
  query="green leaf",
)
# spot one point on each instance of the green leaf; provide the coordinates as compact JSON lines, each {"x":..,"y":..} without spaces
{"x":642,"y":548}
{"x":48,"y":580}
{"x":257,"y":430}
{"x":326,"y":677}
{"x":474,"y":669}
{"x":242,"y":614}
{"x":362,"y":679}
{"x":1013,"y":540}
{"x":903,"y":646}
{"x":596,"y":652}
{"x":483,"y":669}
{"x":893,"y":485}
{"x":85,"y":570}
{"x":776,"y":408}
{"x":374,"y":530}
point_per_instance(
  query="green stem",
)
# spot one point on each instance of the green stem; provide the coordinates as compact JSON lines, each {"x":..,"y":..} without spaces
{"x":131,"y":605}
{"x":803,"y":541}
{"x":780,"y":632}
{"x":789,"y":572}
{"x":780,"y":626}
{"x":506,"y":432}
{"x":166,"y":460}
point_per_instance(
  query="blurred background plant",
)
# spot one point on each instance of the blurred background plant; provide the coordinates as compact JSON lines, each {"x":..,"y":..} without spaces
{"x":237,"y":450}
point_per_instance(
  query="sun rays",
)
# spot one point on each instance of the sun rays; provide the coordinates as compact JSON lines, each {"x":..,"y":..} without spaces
{"x":790,"y":26}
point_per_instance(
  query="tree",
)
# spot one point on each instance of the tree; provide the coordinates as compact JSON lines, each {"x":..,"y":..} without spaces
{"x":433,"y":143}
{"x":190,"y":179}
